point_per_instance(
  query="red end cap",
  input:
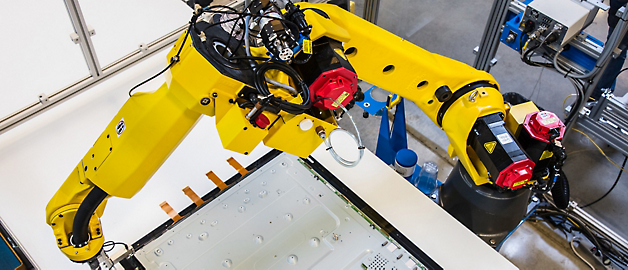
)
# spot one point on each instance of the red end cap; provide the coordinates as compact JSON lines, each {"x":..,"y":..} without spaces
{"x":516,"y":175}
{"x":542,"y":125}
{"x":262,"y":121}
{"x":337,"y":84}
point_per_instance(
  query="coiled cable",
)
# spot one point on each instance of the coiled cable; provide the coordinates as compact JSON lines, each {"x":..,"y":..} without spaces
{"x":357,"y":139}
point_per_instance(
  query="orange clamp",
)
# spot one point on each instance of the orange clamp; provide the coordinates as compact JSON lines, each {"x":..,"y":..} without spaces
{"x":168,"y":209}
{"x":192,"y":195}
{"x":219,"y":183}
{"x":243,"y":171}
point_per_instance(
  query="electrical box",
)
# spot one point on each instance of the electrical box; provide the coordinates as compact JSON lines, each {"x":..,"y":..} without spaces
{"x":566,"y":17}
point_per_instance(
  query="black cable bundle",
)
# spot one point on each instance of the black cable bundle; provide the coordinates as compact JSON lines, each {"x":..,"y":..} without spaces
{"x":262,"y":87}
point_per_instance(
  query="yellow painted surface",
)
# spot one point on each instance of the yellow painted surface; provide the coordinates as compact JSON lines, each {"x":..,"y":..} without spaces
{"x":284,"y":133}
{"x":517,"y":115}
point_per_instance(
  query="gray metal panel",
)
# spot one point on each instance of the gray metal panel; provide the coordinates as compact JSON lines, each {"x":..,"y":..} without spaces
{"x":279,"y":217}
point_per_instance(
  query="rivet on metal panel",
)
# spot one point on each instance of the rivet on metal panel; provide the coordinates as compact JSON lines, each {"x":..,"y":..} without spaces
{"x":192,"y":195}
{"x":219,"y":183}
{"x":243,"y":171}
{"x":168,"y":209}
{"x":259,"y":239}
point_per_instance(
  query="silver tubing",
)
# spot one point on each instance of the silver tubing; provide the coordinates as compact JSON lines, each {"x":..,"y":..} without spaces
{"x":80,"y":27}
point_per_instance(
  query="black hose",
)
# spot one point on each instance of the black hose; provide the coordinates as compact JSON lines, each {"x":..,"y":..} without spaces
{"x":612,"y":187}
{"x":261,"y":86}
{"x":582,"y":226}
{"x":560,"y":191}
{"x":80,"y":227}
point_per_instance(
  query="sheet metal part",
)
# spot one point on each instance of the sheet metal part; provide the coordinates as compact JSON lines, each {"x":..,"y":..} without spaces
{"x":280,"y":216}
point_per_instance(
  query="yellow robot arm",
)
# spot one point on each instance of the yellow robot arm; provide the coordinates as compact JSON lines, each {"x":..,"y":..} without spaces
{"x":392,"y":63}
{"x":151,"y":125}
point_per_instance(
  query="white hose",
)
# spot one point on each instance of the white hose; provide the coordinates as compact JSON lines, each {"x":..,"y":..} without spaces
{"x":247,"y":30}
{"x":358,"y":140}
{"x":577,"y":254}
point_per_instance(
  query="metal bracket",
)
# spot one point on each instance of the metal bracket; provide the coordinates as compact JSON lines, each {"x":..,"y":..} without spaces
{"x":43,"y":98}
{"x":598,"y":4}
{"x":102,"y":261}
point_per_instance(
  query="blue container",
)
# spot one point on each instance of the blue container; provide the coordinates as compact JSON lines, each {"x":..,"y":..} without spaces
{"x":405,"y":163}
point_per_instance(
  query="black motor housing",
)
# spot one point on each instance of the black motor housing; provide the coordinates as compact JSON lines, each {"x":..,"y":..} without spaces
{"x":484,"y":210}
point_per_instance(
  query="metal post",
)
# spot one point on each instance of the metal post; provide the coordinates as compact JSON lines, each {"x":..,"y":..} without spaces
{"x":84,"y":39}
{"x":371,"y":9}
{"x":490,"y":38}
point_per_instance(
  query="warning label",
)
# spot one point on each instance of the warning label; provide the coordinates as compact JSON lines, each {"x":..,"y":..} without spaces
{"x":307,"y":46}
{"x":120,"y":127}
{"x":490,"y":146}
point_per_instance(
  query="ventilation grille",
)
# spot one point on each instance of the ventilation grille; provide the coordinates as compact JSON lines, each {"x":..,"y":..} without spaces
{"x":378,"y":263}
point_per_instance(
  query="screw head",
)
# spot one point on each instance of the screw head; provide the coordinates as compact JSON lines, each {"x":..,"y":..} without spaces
{"x":205,"y":101}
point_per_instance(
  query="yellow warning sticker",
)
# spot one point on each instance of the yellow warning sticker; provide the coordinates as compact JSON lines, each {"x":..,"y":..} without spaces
{"x":546,"y":154}
{"x":519,"y":183}
{"x":307,"y":46}
{"x":340,"y":99}
{"x":490,"y":146}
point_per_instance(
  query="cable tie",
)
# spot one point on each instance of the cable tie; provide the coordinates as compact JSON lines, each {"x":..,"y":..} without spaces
{"x":567,"y":74}
{"x":328,"y":148}
{"x":361,"y":147}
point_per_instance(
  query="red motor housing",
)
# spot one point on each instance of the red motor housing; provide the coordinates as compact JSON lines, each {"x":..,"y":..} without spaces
{"x":334,"y":86}
{"x":544,"y":126}
{"x":516,"y":175}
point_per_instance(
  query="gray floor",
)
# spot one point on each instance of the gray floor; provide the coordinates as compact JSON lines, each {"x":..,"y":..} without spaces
{"x":453,"y":28}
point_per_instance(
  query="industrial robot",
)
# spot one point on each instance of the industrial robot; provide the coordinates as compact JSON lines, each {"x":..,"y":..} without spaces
{"x":281,"y":76}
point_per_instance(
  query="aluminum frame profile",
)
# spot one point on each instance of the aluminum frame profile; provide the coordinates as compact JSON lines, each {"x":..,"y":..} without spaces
{"x":87,"y":82}
{"x":97,"y":74}
{"x":490,"y":39}
{"x":371,"y":10}
{"x":608,"y":121}
{"x":84,"y":38}
{"x":600,"y":228}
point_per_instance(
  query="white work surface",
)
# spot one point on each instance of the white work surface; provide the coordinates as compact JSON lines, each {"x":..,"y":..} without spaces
{"x":417,"y":217}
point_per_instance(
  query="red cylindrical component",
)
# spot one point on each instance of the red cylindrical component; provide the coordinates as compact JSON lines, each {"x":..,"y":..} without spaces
{"x":544,"y":126}
{"x":262,"y":121}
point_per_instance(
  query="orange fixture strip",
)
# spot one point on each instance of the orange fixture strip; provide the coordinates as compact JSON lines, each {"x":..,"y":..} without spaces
{"x":243,"y":171}
{"x":168,"y":209}
{"x":192,"y":195}
{"x":219,"y":183}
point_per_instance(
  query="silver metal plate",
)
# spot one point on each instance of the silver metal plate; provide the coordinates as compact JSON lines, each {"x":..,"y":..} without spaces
{"x":281,"y":216}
